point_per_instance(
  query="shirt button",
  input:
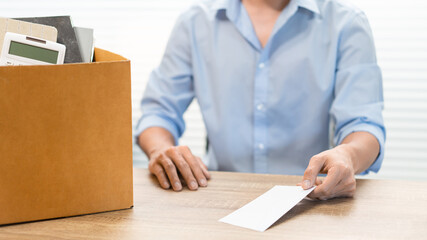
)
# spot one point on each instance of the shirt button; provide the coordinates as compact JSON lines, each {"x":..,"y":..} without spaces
{"x":261,"y":146}
{"x":261,"y":65}
{"x":260,"y":107}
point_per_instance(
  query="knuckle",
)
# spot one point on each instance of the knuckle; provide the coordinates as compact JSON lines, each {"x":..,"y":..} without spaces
{"x":169,"y":166}
{"x":328,"y":192}
{"x":152,"y":168}
{"x":158,"y":172}
{"x":160,"y":158}
{"x":156,"y":157}
{"x":325,"y":192}
{"x":194,"y":164}
{"x":183,"y":148}
{"x":339,"y":166}
{"x":182,"y":164}
{"x":334,"y":170}
{"x":309,"y":171}
{"x":347,"y":169}
{"x":315,"y":159}
{"x":151,"y":164}
{"x":342,"y":166}
{"x":321,"y":192}
{"x":171,"y":150}
{"x":351,"y":183}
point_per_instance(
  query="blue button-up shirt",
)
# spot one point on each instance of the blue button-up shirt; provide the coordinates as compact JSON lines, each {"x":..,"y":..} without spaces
{"x":269,"y":110}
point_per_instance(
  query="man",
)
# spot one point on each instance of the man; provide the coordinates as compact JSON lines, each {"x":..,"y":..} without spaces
{"x":270,"y":76}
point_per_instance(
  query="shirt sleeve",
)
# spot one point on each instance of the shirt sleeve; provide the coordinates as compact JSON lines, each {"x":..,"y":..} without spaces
{"x":358,"y":102}
{"x":169,"y":90}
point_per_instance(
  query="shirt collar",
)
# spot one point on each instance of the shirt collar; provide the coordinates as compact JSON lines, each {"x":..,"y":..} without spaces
{"x":232,"y":7}
{"x":310,"y":5}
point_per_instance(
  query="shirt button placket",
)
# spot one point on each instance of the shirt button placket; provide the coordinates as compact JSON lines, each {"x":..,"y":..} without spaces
{"x":260,"y":121}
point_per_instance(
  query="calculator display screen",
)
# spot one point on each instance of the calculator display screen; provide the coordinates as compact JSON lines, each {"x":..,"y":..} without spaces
{"x":33,"y":52}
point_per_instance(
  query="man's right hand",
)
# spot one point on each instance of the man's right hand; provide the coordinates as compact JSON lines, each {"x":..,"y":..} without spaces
{"x":167,"y":163}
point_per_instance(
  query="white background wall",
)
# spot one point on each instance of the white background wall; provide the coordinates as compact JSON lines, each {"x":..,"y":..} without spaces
{"x":139,"y":29}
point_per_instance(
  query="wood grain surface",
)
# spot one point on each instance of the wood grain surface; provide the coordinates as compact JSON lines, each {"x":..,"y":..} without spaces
{"x":381,"y":209}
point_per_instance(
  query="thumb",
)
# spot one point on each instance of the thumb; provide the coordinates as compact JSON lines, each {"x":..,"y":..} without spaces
{"x":313,"y":169}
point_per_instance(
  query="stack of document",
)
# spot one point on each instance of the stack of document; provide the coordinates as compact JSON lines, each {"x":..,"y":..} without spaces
{"x":79,"y":42}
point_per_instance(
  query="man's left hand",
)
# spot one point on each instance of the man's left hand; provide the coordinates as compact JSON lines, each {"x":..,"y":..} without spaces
{"x":339,"y":181}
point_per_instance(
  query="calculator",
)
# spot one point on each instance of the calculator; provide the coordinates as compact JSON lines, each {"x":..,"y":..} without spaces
{"x":19,"y":49}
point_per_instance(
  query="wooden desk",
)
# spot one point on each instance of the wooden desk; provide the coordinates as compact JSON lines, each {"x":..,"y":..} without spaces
{"x":380,"y":210}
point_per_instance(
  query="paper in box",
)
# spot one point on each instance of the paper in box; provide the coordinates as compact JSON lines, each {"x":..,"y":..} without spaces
{"x":65,"y":139}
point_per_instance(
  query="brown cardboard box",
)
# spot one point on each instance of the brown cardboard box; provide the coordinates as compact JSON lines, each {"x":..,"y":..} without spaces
{"x":65,"y":139}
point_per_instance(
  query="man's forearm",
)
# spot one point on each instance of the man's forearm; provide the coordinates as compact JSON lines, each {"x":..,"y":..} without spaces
{"x":363,"y":148}
{"x":154,"y":139}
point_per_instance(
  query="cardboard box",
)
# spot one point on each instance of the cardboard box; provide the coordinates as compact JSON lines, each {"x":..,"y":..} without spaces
{"x":65,"y":139}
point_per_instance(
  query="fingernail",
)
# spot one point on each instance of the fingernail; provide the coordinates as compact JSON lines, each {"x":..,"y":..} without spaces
{"x":306,"y":184}
{"x":166,"y":184}
{"x":177,"y":186}
{"x":193,"y":185}
{"x":203,"y":182}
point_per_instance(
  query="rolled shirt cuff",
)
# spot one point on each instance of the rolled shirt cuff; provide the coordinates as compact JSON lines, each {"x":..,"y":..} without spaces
{"x":375,"y":130}
{"x":156,"y":121}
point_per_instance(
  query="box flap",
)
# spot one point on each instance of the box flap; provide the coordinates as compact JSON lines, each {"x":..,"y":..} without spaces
{"x":101,"y":55}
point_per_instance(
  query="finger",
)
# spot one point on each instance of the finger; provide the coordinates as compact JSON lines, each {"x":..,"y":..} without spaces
{"x":341,"y":195}
{"x":158,"y":171}
{"x":204,"y":168}
{"x":346,"y":193}
{"x":340,"y":191}
{"x":172,"y":174}
{"x":194,"y":165}
{"x":313,"y":168}
{"x":183,"y":168}
{"x":346,"y":188}
{"x":201,"y":162}
{"x":318,"y":181}
{"x":329,"y":186}
{"x":205,"y":172}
